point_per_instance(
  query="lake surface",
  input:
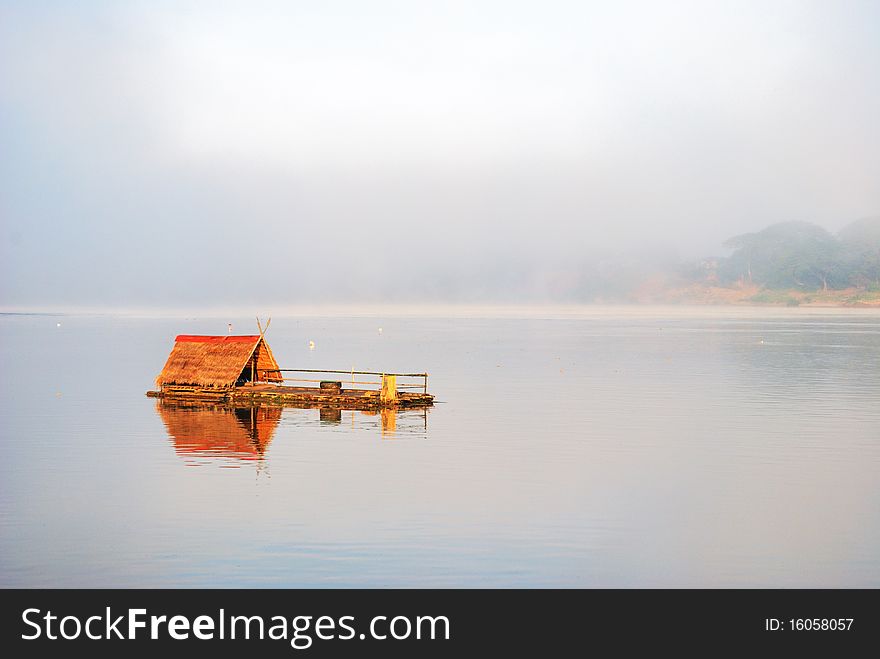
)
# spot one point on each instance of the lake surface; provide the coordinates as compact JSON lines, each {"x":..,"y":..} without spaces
{"x":619,"y":447}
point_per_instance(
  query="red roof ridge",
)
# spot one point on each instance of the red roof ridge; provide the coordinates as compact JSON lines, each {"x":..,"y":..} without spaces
{"x":204,"y":338}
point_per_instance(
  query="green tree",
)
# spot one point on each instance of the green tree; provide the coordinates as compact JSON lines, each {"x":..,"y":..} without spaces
{"x":786,"y":255}
{"x":860,"y":242}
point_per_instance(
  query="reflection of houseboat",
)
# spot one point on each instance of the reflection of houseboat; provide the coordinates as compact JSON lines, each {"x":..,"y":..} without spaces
{"x":202,"y":429}
{"x":208,"y":430}
{"x":241,"y":370}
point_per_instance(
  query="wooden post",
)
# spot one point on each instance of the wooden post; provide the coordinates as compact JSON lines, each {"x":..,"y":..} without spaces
{"x":426,"y":383}
{"x":389,"y":389}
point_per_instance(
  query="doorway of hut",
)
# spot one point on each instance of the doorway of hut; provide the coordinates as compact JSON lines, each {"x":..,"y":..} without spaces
{"x":247,"y":373}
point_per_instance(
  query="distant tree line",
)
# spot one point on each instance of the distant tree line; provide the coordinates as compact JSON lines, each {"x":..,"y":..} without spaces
{"x":803,"y":256}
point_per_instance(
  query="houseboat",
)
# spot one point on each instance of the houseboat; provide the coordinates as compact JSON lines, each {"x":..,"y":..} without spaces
{"x":241,"y":370}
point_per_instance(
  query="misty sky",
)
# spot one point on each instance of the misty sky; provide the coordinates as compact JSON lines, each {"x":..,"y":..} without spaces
{"x":205,"y":153}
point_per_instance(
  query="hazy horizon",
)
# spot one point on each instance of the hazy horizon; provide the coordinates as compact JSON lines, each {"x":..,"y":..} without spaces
{"x":266,"y":155}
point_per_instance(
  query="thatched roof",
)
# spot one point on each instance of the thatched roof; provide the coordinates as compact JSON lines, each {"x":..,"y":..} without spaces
{"x":216,"y":361}
{"x":201,"y":430}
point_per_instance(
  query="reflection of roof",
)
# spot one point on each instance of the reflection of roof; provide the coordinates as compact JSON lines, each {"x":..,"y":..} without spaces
{"x":216,"y":361}
{"x":243,"y":433}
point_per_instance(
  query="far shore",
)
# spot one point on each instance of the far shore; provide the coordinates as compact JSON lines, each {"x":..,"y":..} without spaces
{"x":647,"y":297}
{"x":756,"y":296}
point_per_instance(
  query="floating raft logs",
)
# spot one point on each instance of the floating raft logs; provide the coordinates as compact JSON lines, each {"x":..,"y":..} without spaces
{"x":349,"y":399}
{"x":241,"y":370}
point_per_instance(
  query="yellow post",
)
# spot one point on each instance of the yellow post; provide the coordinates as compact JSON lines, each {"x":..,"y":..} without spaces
{"x":389,"y":389}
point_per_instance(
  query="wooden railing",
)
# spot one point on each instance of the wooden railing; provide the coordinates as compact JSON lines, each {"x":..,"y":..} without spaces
{"x":423,"y":385}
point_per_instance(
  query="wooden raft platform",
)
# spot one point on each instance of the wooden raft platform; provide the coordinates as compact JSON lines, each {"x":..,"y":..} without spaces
{"x":241,"y":370}
{"x":249,"y":394}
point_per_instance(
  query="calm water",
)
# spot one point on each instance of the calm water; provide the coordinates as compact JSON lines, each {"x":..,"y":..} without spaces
{"x":610,"y":447}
